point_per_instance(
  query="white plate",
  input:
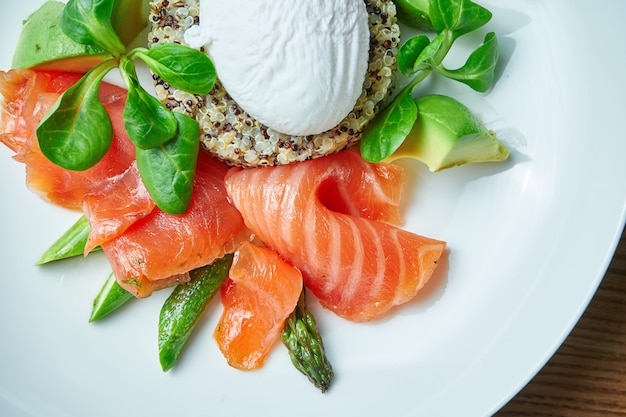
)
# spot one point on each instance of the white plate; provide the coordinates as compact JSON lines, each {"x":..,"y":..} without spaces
{"x":529,"y":239}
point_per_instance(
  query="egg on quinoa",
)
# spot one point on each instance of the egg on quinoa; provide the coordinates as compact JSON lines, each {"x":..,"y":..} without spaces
{"x":346,"y":102}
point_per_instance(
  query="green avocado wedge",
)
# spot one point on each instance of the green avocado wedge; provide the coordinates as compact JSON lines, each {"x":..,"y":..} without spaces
{"x":43,"y":45}
{"x":447,"y":134}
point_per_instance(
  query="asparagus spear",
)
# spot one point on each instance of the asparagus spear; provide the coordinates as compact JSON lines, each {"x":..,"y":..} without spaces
{"x":184,"y":307}
{"x":111,"y":297}
{"x":71,"y":243}
{"x":305,"y":346}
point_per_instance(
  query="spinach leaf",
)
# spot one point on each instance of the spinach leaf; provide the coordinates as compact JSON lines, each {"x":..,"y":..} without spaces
{"x":168,"y":170}
{"x":409,"y":53}
{"x":458,"y":16}
{"x":89,"y":22}
{"x":148,"y":122}
{"x":389,"y":128}
{"x":478,"y":72}
{"x":444,"y":14}
{"x":181,"y":66}
{"x":436,"y":50}
{"x":77,"y":132}
{"x":415,"y":14}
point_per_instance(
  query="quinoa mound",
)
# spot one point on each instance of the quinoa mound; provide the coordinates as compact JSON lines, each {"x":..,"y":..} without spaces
{"x":232,"y":135}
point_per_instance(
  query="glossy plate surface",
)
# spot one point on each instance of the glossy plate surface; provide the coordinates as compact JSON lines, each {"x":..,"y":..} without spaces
{"x":529,"y":239}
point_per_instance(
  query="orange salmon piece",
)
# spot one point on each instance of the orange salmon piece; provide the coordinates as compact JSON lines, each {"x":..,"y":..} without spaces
{"x":147,"y":248}
{"x":162,"y":245}
{"x":28,"y":95}
{"x":261,"y":292}
{"x":330,"y":217}
{"x":115,"y":207}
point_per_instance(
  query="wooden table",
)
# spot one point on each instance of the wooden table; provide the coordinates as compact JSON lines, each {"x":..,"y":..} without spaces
{"x":587,"y":375}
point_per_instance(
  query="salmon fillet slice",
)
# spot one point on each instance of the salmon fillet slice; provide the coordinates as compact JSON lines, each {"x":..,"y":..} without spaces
{"x":261,"y":292}
{"x":333,"y":218}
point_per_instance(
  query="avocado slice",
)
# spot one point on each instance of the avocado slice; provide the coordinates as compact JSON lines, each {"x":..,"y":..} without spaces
{"x":43,"y":45}
{"x":447,"y":134}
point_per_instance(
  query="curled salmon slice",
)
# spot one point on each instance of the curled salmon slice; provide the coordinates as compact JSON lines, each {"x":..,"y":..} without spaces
{"x":162,"y":245}
{"x":333,"y":218}
{"x":112,"y":209}
{"x":147,"y":248}
{"x":261,"y":292}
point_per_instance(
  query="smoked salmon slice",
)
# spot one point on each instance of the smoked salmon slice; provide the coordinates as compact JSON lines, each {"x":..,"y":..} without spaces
{"x":317,"y":215}
{"x":261,"y":292}
{"x":27,"y":96}
{"x":147,"y":248}
{"x":114,"y":208}
{"x":162,"y":245}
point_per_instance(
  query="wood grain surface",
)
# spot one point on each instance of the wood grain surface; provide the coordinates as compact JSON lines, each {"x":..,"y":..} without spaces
{"x":587,"y":375}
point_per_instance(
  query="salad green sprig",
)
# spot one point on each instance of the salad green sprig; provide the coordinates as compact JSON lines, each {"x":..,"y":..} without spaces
{"x":419,"y":57}
{"x":77,"y":131}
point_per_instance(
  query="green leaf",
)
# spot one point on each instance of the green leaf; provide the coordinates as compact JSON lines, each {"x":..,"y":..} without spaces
{"x":409,"y":53}
{"x":110,"y":297}
{"x":458,"y":16}
{"x":89,"y":22}
{"x":435,"y":50}
{"x":444,"y":14}
{"x":148,"y":122}
{"x":415,"y":14}
{"x":168,"y":170}
{"x":386,"y":132}
{"x":183,"y":67}
{"x":77,"y":131}
{"x":478,"y":72}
